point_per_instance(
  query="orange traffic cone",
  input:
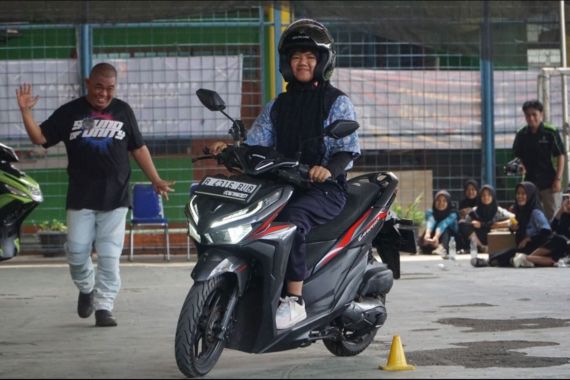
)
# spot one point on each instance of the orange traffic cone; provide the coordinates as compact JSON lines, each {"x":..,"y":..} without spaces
{"x":397,"y":358}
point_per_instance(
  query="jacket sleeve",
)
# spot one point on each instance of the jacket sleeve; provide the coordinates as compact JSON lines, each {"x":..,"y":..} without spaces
{"x":448,"y":222}
{"x":430,"y":220}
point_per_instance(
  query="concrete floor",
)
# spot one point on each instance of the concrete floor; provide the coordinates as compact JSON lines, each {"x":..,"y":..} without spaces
{"x":454,"y":321}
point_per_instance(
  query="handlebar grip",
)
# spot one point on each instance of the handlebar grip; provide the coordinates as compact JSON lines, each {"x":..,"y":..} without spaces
{"x":304,"y":171}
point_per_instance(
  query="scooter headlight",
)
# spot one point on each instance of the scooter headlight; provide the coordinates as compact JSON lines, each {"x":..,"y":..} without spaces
{"x":35,"y":193}
{"x":248,"y":211}
{"x":230,"y":235}
{"x":192,"y":216}
{"x":235,"y":233}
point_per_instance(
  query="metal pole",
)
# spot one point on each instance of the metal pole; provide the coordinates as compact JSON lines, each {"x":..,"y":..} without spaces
{"x":85,"y":50}
{"x":565,"y":131}
{"x":277,"y":37}
{"x":487,"y":95}
{"x":546,"y":93}
{"x":262,"y":53}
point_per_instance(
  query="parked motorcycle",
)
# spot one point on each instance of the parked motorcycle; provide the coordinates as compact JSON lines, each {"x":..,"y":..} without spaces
{"x":19,"y":195}
{"x":243,"y":254}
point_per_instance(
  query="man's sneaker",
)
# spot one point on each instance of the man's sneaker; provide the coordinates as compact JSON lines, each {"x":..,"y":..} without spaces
{"x":289,"y":313}
{"x":85,"y":304}
{"x":104,"y":318}
{"x":520,"y":261}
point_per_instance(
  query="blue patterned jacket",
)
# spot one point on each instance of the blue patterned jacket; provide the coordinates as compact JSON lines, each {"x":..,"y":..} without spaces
{"x":262,"y":131}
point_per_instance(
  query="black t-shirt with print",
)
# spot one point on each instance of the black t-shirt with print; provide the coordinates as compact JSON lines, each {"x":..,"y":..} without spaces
{"x":98,"y":145}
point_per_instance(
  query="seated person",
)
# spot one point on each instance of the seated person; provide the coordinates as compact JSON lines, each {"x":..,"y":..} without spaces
{"x":557,"y":245}
{"x":483,"y":218}
{"x":532,"y":229}
{"x":441,"y":224}
{"x":470,"y":193}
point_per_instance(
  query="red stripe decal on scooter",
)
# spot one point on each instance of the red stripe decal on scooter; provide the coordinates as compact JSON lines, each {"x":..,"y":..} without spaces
{"x":264,"y":229}
{"x":270,"y":230}
{"x":241,"y":268}
{"x":347,"y":238}
{"x":381,"y":215}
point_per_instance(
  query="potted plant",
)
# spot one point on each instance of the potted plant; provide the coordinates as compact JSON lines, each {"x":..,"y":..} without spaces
{"x":52,"y":235}
{"x":411,"y":212}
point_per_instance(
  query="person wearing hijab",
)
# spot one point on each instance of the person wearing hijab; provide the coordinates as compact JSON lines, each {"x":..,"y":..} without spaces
{"x":466,"y":204}
{"x":531,"y":231}
{"x":297,"y":116}
{"x":557,"y":245}
{"x":485,"y":216}
{"x":470,"y":193}
{"x":441,"y":224}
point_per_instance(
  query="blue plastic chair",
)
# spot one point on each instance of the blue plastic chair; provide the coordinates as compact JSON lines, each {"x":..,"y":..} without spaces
{"x":147,"y":210}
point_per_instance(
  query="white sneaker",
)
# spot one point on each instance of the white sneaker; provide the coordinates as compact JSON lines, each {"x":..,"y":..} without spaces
{"x":520,"y":261}
{"x":289,"y":313}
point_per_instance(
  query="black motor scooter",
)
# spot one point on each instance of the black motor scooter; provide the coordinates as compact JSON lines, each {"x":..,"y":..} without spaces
{"x":243,"y":254}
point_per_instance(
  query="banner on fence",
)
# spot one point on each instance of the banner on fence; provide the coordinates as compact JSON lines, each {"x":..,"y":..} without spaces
{"x":161,"y":91}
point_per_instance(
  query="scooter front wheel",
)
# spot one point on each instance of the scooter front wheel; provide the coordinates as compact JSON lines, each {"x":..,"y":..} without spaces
{"x":198,"y":344}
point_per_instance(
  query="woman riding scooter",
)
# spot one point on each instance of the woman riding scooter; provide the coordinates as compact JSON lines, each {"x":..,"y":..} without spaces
{"x":307,"y":59}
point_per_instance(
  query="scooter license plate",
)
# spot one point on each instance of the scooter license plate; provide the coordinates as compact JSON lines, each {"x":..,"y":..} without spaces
{"x":239,"y":191}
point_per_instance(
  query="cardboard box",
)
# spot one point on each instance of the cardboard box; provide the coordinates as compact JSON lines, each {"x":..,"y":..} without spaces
{"x":500,"y":240}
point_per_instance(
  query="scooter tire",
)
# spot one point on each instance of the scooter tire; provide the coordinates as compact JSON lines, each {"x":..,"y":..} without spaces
{"x":197,"y":349}
{"x":347,"y":347}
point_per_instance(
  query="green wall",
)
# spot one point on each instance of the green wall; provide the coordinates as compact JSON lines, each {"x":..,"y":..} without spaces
{"x":54,"y":187}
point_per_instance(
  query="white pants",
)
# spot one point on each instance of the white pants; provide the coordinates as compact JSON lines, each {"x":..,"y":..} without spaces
{"x":107,"y":230}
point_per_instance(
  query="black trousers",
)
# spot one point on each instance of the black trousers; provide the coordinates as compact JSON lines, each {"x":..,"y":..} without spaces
{"x":467,"y":228}
{"x":503,"y":258}
{"x":309,"y":208}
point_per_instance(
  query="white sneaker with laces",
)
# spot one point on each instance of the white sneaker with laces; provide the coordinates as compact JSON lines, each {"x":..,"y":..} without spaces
{"x":520,"y":261}
{"x":289,"y":313}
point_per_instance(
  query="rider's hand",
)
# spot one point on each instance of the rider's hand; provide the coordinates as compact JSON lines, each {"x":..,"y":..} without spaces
{"x":26,"y":101}
{"x":319,"y":174}
{"x":217,"y":147}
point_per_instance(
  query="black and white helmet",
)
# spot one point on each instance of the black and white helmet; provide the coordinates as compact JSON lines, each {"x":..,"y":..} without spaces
{"x":312,"y":35}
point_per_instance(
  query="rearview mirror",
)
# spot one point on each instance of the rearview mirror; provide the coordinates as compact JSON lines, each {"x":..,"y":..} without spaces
{"x":210,"y":99}
{"x":341,"y":128}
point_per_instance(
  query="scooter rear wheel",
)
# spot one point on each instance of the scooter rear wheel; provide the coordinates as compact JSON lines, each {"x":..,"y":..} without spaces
{"x":349,"y":347}
{"x":197,"y":343}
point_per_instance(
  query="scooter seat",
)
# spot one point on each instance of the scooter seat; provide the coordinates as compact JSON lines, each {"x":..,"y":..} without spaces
{"x":360,"y":197}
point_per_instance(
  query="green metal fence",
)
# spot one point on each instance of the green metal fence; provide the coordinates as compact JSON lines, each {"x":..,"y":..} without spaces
{"x":413,"y":69}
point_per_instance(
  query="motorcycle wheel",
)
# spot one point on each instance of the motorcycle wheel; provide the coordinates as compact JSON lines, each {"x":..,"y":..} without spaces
{"x":349,"y":347}
{"x":197,"y":346}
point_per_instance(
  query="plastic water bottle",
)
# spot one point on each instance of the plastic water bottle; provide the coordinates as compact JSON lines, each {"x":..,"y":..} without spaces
{"x":473,"y":249}
{"x":452,"y":249}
